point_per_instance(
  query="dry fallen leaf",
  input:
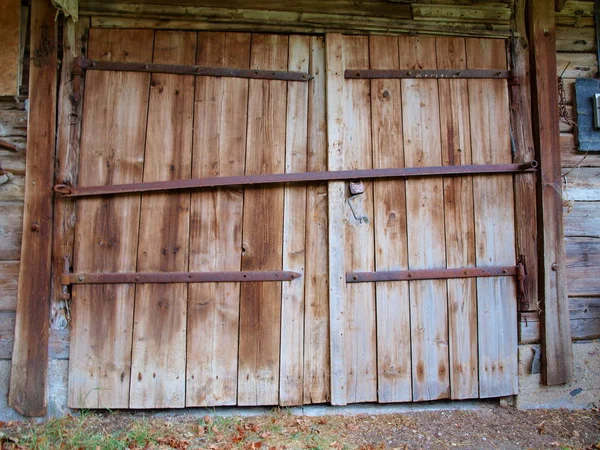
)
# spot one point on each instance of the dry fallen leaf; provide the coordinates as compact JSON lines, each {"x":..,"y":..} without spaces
{"x":201,"y":430}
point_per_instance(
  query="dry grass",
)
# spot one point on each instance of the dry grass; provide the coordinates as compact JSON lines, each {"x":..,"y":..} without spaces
{"x":495,"y":427}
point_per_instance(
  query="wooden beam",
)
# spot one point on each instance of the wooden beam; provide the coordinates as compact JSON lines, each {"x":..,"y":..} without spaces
{"x":525,"y":186}
{"x":28,"y":381}
{"x":557,"y":353}
{"x":10,"y":23}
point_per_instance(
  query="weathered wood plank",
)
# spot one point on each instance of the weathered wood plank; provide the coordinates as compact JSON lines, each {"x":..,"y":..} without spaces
{"x":576,"y":40}
{"x":316,"y":312}
{"x":583,"y":266}
{"x":9,"y":277}
{"x":557,"y":354}
{"x":494,"y":222}
{"x":10,"y":33}
{"x":58,"y":345}
{"x":360,"y":334}
{"x":482,"y":13}
{"x":313,"y":23}
{"x":524,"y":151}
{"x":570,"y":156}
{"x":27,"y":393}
{"x":577,"y":14}
{"x":581,"y":184}
{"x":220,"y":123}
{"x":106,"y":232}
{"x":576,"y":65}
{"x":582,"y":219}
{"x":294,"y":230}
{"x":335,"y":211}
{"x":425,"y":217}
{"x":70,"y":106}
{"x":11,"y":230}
{"x":260,"y":308}
{"x":391,"y":253}
{"x":459,"y":221}
{"x":158,"y":358}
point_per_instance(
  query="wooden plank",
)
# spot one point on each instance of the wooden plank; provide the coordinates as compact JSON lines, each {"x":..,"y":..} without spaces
{"x":10,"y":26}
{"x":459,"y":221}
{"x":576,"y":65}
{"x":425,"y":217}
{"x":58,"y":347}
{"x":577,"y":14}
{"x":393,"y":308}
{"x":557,"y":354}
{"x":260,"y":308}
{"x":11,"y":227}
{"x":335,"y":211}
{"x":494,"y":13}
{"x":9,"y":276}
{"x":581,"y":184}
{"x":70,"y":107}
{"x":494,"y":222}
{"x":106,"y":232}
{"x":360,"y":334}
{"x":294,"y":230}
{"x":312,"y":23}
{"x":583,"y":266}
{"x":576,"y":40}
{"x":159,"y":332}
{"x":28,"y":384}
{"x":570,"y":156}
{"x":525,"y":184}
{"x":582,"y":219}
{"x":220,"y":120}
{"x":316,"y":308}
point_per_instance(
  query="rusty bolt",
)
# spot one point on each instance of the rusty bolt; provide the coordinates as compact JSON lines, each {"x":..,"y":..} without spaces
{"x":386,"y":94}
{"x":35,"y":226}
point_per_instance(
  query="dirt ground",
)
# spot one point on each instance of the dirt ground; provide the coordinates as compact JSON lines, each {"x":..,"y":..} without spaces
{"x":491,"y":427}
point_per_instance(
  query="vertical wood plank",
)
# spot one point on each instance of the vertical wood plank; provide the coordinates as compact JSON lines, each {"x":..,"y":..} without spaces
{"x":494,"y":221}
{"x":70,"y":111}
{"x":525,"y":184}
{"x":159,"y":329}
{"x":557,"y":352}
{"x":391,"y":251}
{"x":361,"y":353}
{"x":425,"y":217}
{"x":294,"y":230}
{"x":335,"y":209}
{"x":459,"y":221}
{"x":10,"y":24}
{"x":106,"y":233}
{"x":216,"y":222}
{"x":260,"y":309}
{"x":28,"y":383}
{"x":316,"y":319}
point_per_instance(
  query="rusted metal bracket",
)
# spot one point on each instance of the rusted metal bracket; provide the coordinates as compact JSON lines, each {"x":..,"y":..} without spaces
{"x":426,"y":73}
{"x":177,"y":277}
{"x":89,"y":64}
{"x":340,"y":175}
{"x":442,"y":274}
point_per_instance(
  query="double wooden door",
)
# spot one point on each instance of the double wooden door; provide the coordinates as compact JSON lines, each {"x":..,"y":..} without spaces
{"x":314,"y":339}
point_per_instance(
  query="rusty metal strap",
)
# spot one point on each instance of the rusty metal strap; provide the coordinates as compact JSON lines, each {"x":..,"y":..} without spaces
{"x":177,"y":277}
{"x":89,"y":64}
{"x":340,"y":175}
{"x":426,"y":73}
{"x":437,"y":274}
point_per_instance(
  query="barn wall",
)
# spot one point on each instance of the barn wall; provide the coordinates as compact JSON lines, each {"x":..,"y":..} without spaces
{"x":576,"y":58}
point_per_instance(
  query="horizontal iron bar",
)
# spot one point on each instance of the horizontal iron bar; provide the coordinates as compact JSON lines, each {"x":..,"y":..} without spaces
{"x":177,"y":277}
{"x":426,"y":73}
{"x":89,"y":64}
{"x":436,"y":274}
{"x":340,"y":175}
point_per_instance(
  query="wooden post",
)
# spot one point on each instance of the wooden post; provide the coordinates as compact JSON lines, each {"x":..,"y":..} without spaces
{"x":28,"y":381}
{"x":557,"y":353}
{"x":525,"y":184}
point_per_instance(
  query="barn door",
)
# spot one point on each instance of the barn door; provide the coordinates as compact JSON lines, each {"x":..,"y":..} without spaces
{"x":395,"y":341}
{"x":138,"y":344}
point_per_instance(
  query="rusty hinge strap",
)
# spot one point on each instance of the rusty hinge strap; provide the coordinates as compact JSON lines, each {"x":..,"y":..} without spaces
{"x":435,"y":274}
{"x":340,"y":175}
{"x":89,"y":64}
{"x":426,"y":73}
{"x":177,"y":277}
